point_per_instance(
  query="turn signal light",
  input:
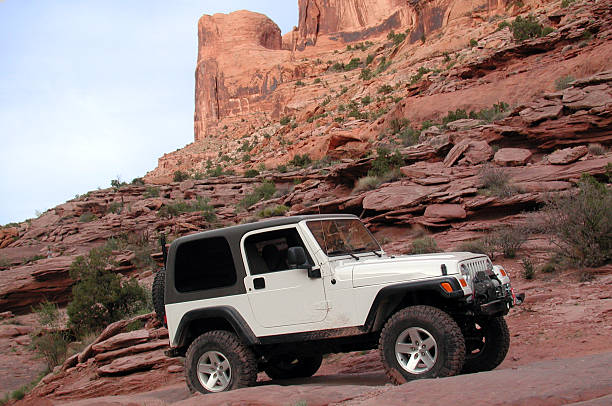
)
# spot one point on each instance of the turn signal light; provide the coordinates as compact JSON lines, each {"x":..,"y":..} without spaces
{"x":447,"y":287}
{"x":501,"y":271}
{"x":463,"y":283}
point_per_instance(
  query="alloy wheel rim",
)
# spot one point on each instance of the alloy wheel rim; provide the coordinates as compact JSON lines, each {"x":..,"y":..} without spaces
{"x":416,"y":350}
{"x":214,"y":371}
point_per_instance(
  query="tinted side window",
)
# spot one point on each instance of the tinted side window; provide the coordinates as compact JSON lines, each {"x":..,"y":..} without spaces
{"x":267,"y":252}
{"x":204,"y":264}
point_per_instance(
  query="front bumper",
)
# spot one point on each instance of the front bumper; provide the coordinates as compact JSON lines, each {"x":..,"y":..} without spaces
{"x":502,"y":306}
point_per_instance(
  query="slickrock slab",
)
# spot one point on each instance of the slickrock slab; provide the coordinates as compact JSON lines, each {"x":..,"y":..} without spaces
{"x":121,"y":341}
{"x":396,"y":196}
{"x":443,"y":212}
{"x":567,"y":155}
{"x":134,"y":349}
{"x":512,"y":156}
{"x":139,"y":362}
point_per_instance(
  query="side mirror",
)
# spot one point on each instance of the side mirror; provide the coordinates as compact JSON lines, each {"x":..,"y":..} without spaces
{"x":296,"y":257}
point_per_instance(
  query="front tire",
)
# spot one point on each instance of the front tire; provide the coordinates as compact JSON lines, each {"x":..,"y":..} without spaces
{"x":217,"y":362}
{"x":421,"y":342}
{"x":487,"y":344}
{"x":289,"y":367}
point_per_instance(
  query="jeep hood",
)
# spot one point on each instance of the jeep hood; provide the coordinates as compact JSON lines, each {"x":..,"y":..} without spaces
{"x":373,"y":271}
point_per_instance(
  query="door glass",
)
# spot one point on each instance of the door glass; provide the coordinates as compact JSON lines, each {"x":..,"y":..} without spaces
{"x":267,"y":252}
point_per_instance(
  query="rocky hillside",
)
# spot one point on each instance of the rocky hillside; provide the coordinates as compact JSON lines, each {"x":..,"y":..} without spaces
{"x":437,"y":120}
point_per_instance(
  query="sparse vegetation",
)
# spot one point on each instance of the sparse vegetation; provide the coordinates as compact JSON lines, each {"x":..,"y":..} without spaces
{"x":385,"y":161}
{"x":484,"y":245}
{"x":372,"y":182}
{"x":385,"y":89}
{"x":396,"y":38}
{"x":51,"y":342}
{"x":274,"y":211}
{"x":580,"y":225}
{"x":528,"y":268}
{"x":564,"y":82}
{"x":301,"y":161}
{"x":496,"y":181}
{"x":424,"y":245}
{"x":285,"y":120}
{"x":87,"y":217}
{"x":180,"y":176}
{"x":419,"y":75}
{"x":526,"y":28}
{"x":473,"y":43}
{"x":567,"y":3}
{"x":508,"y":240}
{"x":263,"y":192}
{"x":251,"y":173}
{"x":200,"y":204}
{"x":597,"y":149}
{"x":99,"y":296}
{"x":151,"y":191}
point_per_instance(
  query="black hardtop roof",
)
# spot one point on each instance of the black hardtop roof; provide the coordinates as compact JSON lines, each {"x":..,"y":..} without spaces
{"x":239,"y":230}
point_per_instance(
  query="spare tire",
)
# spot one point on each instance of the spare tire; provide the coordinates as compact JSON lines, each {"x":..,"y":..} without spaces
{"x":157,"y":294}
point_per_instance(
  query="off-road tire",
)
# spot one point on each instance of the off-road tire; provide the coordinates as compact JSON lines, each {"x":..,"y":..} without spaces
{"x":293,"y":367}
{"x":157,"y":294}
{"x":241,"y":358}
{"x":496,"y":343}
{"x":447,"y":334}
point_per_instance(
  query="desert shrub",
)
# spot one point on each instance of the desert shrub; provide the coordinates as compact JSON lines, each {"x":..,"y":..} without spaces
{"x":424,"y":245}
{"x":114,"y":207}
{"x":385,"y":89}
{"x":419,"y":75}
{"x":597,"y":149}
{"x":274,"y":211}
{"x":451,"y":116}
{"x":151,"y":191}
{"x":366,"y":100}
{"x":370,"y":59}
{"x":300,"y":83}
{"x":528,"y":268}
{"x":385,"y":162}
{"x":99,"y":296}
{"x":484,"y":245}
{"x":366,"y":74}
{"x":508,"y":240}
{"x":285,"y":120}
{"x":549,"y":267}
{"x":564,"y":82}
{"x":396,"y":38}
{"x":353,"y":64}
{"x":281,"y":168}
{"x":366,"y":183}
{"x":398,"y":124}
{"x":51,"y":342}
{"x":180,"y":176}
{"x":525,"y":28}
{"x":566,"y":3}
{"x":117,"y":183}
{"x":473,"y":43}
{"x":498,"y":111}
{"x":301,"y":161}
{"x":496,"y":181}
{"x":87,"y":217}
{"x":580,"y":225}
{"x":251,"y":173}
{"x":200,"y":204}
{"x":263,"y":192}
{"x":138,"y":182}
{"x":503,"y":25}
{"x":382,"y":65}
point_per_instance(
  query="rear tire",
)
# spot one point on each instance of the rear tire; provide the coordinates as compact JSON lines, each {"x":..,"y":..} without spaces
{"x":288,"y":367}
{"x":157,"y":294}
{"x":421,"y":342}
{"x":217,"y":361}
{"x":487,"y":343}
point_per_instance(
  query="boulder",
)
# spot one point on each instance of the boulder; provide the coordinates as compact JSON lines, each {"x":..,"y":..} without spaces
{"x":567,"y":155}
{"x":139,"y":362}
{"x":396,"y":196}
{"x":121,"y":340}
{"x":512,"y":156}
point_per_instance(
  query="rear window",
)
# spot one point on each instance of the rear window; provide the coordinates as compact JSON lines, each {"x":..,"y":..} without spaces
{"x":204,"y":264}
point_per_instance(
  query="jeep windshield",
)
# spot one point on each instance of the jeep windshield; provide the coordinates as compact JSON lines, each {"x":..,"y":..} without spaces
{"x":343,"y":237}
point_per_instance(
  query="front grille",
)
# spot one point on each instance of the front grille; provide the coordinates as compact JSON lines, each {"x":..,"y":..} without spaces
{"x":476,"y":265}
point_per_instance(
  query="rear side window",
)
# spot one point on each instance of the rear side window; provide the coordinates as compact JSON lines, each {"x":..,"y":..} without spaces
{"x":204,"y":264}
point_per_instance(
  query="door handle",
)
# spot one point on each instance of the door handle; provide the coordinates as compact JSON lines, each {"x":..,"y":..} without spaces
{"x":259,"y":283}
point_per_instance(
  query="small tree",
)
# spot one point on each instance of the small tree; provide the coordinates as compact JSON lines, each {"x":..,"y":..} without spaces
{"x":99,"y":296}
{"x":51,"y":342}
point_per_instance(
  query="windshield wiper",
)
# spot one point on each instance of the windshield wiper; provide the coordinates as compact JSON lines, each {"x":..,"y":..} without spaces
{"x":344,"y":252}
{"x":364,"y":249}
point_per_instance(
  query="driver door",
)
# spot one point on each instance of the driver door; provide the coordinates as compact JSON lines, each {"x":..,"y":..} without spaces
{"x":278,"y":295}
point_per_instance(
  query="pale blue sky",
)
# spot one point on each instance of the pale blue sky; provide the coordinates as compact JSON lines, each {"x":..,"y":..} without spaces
{"x":92,"y":90}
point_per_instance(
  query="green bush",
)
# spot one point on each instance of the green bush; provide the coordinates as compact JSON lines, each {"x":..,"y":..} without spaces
{"x":366,"y":100}
{"x":370,"y":59}
{"x":419,"y":75}
{"x":580,"y":225}
{"x":567,"y":3}
{"x":385,"y":161}
{"x":525,"y":28}
{"x":114,"y":207}
{"x":138,"y":182}
{"x":263,"y":192}
{"x":597,"y":149}
{"x":180,"y":176}
{"x":99,"y":297}
{"x":285,"y":120}
{"x":564,"y":82}
{"x":385,"y":89}
{"x":275,"y":211}
{"x":424,"y":245}
{"x":87,"y":217}
{"x":484,"y":245}
{"x":301,"y":161}
{"x":51,"y":342}
{"x":251,"y":173}
{"x":300,"y":83}
{"x":503,"y":25}
{"x":473,"y":43}
{"x":366,"y":74}
{"x":201,"y":204}
{"x":151,"y":191}
{"x":372,"y":182}
{"x":396,"y":38}
{"x":353,"y":64}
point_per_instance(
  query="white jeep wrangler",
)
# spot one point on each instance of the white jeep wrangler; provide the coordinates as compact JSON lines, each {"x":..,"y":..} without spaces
{"x":276,"y":295}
